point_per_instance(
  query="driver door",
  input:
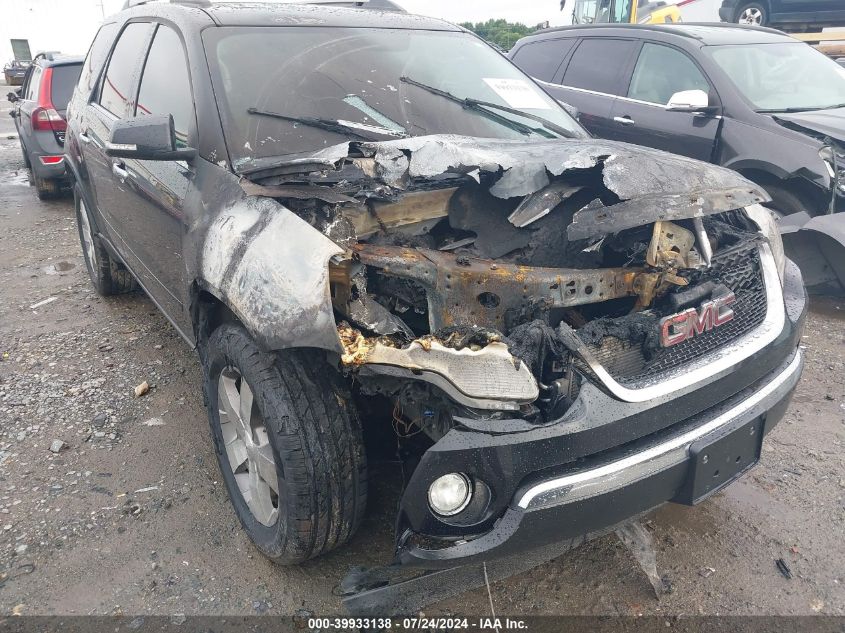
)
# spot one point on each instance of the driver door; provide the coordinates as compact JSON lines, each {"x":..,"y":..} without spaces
{"x":640,"y":116}
{"x":154,"y":191}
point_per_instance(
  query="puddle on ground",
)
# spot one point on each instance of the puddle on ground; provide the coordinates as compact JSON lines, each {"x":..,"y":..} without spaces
{"x":15,"y":177}
{"x":59,"y":268}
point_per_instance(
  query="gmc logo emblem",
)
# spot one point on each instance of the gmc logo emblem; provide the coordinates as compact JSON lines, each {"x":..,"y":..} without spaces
{"x":683,"y":326}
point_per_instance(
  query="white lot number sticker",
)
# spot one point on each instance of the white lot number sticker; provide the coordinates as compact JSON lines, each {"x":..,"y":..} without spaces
{"x":517,"y":93}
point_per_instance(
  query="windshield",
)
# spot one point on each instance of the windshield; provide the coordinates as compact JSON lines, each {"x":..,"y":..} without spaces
{"x":782,"y":77}
{"x":292,"y":90}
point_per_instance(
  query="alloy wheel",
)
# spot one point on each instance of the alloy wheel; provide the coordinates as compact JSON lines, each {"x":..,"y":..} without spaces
{"x":751,"y":15}
{"x":87,"y":237}
{"x":248,"y":447}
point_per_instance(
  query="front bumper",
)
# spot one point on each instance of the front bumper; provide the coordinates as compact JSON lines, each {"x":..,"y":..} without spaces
{"x":602,"y":463}
{"x":622,"y":484}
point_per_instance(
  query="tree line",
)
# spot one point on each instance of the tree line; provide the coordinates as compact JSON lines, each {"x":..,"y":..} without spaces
{"x":500,"y":32}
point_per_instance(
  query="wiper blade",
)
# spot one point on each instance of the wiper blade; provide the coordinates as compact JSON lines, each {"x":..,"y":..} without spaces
{"x":498,"y":118}
{"x":323,"y":124}
{"x":475,"y":104}
{"x":797,"y":109}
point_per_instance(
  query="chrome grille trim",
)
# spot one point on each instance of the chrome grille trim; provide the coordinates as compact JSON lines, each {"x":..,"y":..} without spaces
{"x":713,"y":365}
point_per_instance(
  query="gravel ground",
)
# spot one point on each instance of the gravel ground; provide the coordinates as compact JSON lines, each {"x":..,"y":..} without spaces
{"x":112,"y":503}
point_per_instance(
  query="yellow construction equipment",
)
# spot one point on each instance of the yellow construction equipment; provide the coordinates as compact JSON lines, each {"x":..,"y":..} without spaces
{"x":622,"y":11}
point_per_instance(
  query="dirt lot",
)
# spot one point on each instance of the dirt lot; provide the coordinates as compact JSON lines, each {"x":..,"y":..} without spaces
{"x":131,"y":515}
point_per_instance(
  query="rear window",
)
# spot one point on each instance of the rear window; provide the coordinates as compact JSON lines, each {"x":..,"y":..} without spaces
{"x":598,"y":63}
{"x":542,"y":59}
{"x":64,"y":81}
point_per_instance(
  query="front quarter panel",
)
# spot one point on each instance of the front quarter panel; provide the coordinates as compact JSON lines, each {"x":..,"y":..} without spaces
{"x":270,"y":268}
{"x":781,"y":153}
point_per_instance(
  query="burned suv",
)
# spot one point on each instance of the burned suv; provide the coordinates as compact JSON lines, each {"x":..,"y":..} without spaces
{"x":376,"y":231}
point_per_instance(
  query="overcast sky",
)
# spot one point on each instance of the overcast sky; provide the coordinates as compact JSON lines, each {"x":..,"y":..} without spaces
{"x":529,"y":12}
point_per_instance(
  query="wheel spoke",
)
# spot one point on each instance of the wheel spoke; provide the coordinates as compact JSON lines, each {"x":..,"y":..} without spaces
{"x":261,"y":502}
{"x":247,"y":446}
{"x":245,"y":407}
{"x":87,"y":237}
{"x":227,"y":429}
{"x":242,"y":479}
{"x":266,"y":466}
{"x":228,"y":397}
{"x":237,"y":453}
{"x":230,"y":400}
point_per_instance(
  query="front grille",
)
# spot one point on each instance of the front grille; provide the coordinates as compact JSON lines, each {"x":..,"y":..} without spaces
{"x":740,"y":271}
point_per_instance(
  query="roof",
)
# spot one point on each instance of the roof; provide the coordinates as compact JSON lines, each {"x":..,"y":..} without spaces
{"x":54,"y":58}
{"x":708,"y":33}
{"x":284,"y":14}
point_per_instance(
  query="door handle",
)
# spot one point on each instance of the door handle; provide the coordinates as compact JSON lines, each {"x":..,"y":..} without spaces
{"x":84,"y":137}
{"x":118,"y":170}
{"x":624,"y":120}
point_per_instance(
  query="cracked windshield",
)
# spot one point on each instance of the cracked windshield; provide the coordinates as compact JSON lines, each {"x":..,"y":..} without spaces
{"x":369,"y":85}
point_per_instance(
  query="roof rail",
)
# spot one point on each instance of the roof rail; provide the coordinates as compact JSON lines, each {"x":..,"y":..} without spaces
{"x":729,"y":25}
{"x":207,"y":3}
{"x":677,"y":28}
{"x":611,"y":25}
{"x":48,"y":55}
{"x":382,"y":5}
{"x":193,"y":3}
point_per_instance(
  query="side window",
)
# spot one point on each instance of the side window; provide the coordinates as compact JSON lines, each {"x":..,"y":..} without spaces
{"x":116,"y":91}
{"x":661,"y":71}
{"x":33,"y":84}
{"x":542,"y":59}
{"x":96,"y":57}
{"x":598,"y":63}
{"x":166,"y":84}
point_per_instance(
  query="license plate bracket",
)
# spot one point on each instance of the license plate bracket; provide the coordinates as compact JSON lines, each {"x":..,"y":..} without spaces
{"x":716,"y":461}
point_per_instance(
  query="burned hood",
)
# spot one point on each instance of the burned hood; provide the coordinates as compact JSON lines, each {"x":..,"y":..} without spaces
{"x":634,"y":184}
{"x":817,"y":123}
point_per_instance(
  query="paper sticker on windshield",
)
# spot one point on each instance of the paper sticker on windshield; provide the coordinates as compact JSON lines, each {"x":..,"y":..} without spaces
{"x":517,"y":93}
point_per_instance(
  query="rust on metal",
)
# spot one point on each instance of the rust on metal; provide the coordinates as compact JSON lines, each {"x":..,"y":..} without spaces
{"x":464,"y":290}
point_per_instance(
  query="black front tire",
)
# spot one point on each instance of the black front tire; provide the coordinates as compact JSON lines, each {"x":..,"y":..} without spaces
{"x":316,"y":440}
{"x":108,"y":276}
{"x":784,"y":201}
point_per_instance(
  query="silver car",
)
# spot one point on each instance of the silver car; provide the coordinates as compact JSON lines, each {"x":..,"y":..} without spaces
{"x":40,"y":116}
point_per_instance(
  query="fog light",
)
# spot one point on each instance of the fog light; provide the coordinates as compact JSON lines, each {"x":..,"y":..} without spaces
{"x":449,"y":494}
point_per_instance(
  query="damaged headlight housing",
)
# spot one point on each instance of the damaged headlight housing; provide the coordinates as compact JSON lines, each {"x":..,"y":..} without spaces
{"x":834,"y":161}
{"x":829,"y":159}
{"x":767,"y":222}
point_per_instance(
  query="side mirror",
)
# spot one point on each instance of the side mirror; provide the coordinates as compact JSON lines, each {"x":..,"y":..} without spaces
{"x":13,"y":96}
{"x":690,"y":101}
{"x":150,"y":137}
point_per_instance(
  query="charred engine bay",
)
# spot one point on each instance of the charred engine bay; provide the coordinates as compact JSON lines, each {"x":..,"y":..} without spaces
{"x":463,"y":282}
